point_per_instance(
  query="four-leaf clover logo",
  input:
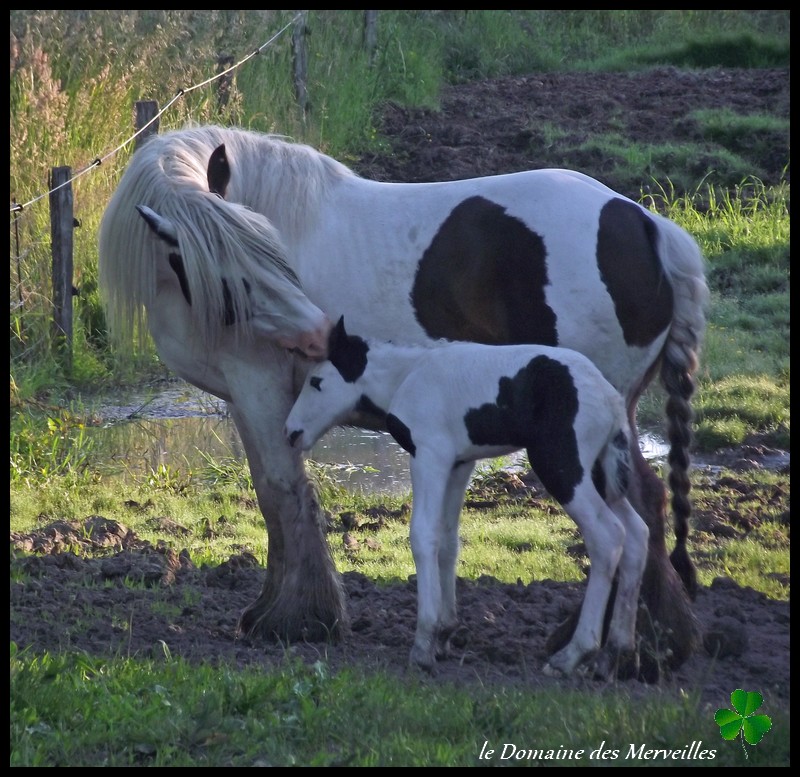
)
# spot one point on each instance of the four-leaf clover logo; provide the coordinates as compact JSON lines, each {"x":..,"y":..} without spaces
{"x":752,"y":727}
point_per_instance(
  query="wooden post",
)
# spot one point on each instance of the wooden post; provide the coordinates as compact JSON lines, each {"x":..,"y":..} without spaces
{"x":145,"y":111}
{"x":224,"y":61}
{"x":371,"y":34}
{"x":61,"y":226}
{"x":300,"y":53}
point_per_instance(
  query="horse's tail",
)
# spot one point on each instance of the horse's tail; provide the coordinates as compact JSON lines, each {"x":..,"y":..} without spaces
{"x":684,"y":265}
{"x":616,"y":460}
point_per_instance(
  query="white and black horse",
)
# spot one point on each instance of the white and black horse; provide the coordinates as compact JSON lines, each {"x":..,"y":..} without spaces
{"x":451,"y":405}
{"x":252,"y":245}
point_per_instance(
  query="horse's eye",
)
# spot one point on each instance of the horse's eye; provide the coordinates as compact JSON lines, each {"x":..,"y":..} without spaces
{"x":316,"y":383}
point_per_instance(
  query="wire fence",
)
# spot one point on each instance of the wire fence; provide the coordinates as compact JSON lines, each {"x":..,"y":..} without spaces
{"x":29,"y":299}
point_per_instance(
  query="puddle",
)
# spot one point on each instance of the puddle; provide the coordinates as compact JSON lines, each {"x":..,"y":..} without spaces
{"x":183,"y":428}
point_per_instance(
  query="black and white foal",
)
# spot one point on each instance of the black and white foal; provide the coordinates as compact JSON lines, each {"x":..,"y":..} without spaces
{"x":453,"y":404}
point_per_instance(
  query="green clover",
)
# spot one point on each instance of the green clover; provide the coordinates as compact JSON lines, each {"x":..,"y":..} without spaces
{"x":752,"y":727}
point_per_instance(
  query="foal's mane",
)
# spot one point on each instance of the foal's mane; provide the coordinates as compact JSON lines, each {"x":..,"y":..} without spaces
{"x":217,"y":238}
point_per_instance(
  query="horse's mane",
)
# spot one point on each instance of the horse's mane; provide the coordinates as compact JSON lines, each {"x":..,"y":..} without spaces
{"x":229,"y":238}
{"x":287,"y":181}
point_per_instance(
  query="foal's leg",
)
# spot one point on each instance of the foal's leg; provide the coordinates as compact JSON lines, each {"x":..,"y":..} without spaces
{"x":619,"y":655}
{"x":604,"y":536}
{"x":448,"y":553}
{"x":429,"y":477}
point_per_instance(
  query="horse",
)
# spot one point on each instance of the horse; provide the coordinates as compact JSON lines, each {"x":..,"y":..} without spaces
{"x":237,"y":250}
{"x":452,"y":404}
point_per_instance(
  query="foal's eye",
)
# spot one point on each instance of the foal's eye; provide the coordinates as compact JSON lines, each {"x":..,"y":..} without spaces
{"x":316,"y":383}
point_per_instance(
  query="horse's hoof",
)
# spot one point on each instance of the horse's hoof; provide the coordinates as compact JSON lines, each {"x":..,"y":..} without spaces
{"x":550,"y":671}
{"x":422,"y":659}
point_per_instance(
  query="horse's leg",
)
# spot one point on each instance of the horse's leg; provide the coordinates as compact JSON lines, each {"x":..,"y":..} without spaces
{"x":448,"y":553}
{"x":429,"y":478}
{"x":302,"y":597}
{"x":604,"y":536}
{"x":618,"y":656}
{"x":667,"y":625}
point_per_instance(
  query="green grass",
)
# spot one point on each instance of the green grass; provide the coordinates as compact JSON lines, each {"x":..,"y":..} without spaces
{"x":75,"y":710}
{"x":518,"y":536}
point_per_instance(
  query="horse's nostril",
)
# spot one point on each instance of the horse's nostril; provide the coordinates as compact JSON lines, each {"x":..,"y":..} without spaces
{"x":294,"y":435}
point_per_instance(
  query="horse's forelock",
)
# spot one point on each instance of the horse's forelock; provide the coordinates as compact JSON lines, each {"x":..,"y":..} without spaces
{"x":219,"y":240}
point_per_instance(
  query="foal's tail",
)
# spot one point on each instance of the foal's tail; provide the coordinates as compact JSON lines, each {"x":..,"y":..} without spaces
{"x":683,"y":263}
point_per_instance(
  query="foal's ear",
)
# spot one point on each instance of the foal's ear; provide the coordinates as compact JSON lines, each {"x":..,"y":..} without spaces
{"x":337,"y":339}
{"x":348,"y":353}
{"x":219,"y":171}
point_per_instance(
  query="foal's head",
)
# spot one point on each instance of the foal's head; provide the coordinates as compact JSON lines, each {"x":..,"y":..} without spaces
{"x":333,"y":390}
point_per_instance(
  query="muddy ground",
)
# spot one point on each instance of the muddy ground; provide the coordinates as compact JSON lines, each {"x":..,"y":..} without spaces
{"x":67,"y":587}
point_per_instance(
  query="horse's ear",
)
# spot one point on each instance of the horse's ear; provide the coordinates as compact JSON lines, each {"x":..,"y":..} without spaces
{"x":164,"y":228}
{"x":219,"y":171}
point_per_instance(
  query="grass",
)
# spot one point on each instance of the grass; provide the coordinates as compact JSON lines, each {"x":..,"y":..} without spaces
{"x":169,"y":713}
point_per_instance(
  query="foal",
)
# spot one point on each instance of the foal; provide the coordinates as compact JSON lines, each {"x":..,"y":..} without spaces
{"x":452,"y":404}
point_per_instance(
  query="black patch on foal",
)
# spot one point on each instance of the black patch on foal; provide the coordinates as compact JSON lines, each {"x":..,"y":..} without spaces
{"x":401,"y":433}
{"x":348,"y":353}
{"x":535,"y":409}
{"x":631,"y":270}
{"x":483,"y":278}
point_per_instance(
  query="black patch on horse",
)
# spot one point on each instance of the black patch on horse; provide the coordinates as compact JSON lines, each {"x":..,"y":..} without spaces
{"x":631,"y":270}
{"x":535,"y":410}
{"x":483,"y":278}
{"x":176,"y":263}
{"x":229,"y":316}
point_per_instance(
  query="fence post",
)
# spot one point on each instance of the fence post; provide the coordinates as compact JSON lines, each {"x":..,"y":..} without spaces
{"x":145,"y":111}
{"x":224,"y":61}
{"x":61,"y":226}
{"x":371,"y":34}
{"x":300,"y":53}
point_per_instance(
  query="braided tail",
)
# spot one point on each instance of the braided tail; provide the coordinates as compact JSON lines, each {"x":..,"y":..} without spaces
{"x":680,"y":386}
{"x":684,"y":265}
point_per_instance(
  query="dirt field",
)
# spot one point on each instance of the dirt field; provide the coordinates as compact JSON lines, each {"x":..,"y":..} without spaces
{"x":490,"y":127}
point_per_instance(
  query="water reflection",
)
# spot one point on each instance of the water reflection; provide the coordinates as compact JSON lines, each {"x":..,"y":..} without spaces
{"x":184,"y":429}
